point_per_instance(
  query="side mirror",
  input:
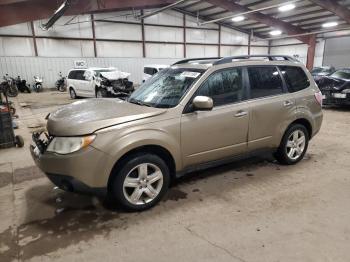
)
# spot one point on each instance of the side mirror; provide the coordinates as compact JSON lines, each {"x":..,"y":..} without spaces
{"x":203,"y":103}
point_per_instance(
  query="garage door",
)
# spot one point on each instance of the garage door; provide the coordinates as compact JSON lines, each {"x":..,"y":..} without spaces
{"x":337,"y":52}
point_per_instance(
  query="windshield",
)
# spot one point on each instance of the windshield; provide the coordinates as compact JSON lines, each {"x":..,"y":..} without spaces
{"x":165,"y":89}
{"x":343,"y":74}
{"x":97,"y":72}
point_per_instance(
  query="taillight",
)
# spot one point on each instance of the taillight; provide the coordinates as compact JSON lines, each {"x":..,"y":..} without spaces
{"x":319,"y":97}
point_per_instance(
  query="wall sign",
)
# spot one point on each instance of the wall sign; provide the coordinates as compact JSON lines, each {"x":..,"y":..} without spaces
{"x":80,"y":64}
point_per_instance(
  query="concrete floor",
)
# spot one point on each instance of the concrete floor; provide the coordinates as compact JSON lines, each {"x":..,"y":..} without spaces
{"x":254,"y":210}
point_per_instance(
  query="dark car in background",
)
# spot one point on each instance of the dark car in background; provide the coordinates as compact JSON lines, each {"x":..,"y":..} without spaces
{"x":335,"y":87}
{"x":321,"y":71}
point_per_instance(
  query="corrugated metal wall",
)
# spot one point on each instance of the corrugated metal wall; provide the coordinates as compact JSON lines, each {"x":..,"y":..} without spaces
{"x":57,"y":53}
{"x":49,"y":67}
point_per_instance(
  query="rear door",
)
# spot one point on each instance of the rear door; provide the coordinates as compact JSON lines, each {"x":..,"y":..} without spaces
{"x":272,"y":107}
{"x":221,"y":132}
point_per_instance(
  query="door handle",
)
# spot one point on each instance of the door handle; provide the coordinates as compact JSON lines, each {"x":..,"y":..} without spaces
{"x":288,"y":103}
{"x":241,"y":113}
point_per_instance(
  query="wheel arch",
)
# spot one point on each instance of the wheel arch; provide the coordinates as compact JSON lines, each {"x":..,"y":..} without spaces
{"x":157,"y":150}
{"x":306,"y":123}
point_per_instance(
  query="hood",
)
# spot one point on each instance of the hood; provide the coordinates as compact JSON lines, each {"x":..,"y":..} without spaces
{"x":115,"y":75}
{"x":87,"y":116}
{"x":331,"y":83}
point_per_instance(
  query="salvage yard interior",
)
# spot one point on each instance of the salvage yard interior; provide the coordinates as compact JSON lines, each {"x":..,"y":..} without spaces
{"x":174,"y":130}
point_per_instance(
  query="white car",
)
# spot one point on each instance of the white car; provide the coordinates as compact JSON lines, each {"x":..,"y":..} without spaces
{"x":87,"y":82}
{"x":150,"y":70}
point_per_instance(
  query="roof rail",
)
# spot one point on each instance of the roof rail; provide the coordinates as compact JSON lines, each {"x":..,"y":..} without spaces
{"x":229,"y":59}
{"x":184,"y":61}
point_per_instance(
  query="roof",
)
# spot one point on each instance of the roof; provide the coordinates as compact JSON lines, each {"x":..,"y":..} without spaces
{"x":307,"y":16}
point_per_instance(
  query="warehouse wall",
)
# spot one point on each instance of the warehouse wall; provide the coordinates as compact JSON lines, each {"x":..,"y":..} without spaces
{"x":119,"y":42}
{"x":289,"y":46}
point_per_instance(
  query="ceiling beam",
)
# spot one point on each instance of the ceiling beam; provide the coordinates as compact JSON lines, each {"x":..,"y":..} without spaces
{"x":335,"y":8}
{"x":25,"y":11}
{"x":262,"y":18}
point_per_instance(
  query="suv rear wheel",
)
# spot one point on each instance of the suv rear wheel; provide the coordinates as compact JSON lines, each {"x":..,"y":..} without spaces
{"x":141,"y":182}
{"x":293,"y":145}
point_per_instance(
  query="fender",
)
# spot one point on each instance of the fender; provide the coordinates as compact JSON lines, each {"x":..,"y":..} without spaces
{"x":136,"y":138}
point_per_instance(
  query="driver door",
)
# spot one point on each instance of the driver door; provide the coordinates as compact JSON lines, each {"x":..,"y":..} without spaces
{"x":221,"y":132}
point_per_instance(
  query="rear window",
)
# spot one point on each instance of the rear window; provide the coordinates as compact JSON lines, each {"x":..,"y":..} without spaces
{"x":264,"y":81}
{"x":150,"y":70}
{"x":295,"y":78}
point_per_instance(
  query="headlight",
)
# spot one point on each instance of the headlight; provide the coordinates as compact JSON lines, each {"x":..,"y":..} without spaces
{"x":66,"y":145}
{"x":346,"y":91}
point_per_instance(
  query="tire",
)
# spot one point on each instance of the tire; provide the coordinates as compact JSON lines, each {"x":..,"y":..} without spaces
{"x":100,"y":93}
{"x":72,"y":93}
{"x":290,"y":141}
{"x":12,"y":91}
{"x":37,"y":88}
{"x":138,"y":196}
{"x":19,"y":141}
{"x":12,"y":110}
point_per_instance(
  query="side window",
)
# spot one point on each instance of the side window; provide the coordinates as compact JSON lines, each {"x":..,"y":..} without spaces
{"x":71,"y":75}
{"x":79,"y":75}
{"x":224,"y":87}
{"x":150,"y":70}
{"x":295,"y":78}
{"x":87,"y":75}
{"x":264,"y":81}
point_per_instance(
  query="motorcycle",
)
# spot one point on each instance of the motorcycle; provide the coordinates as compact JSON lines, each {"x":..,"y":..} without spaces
{"x":38,"y":84}
{"x":11,"y":88}
{"x":61,"y":83}
{"x":22,"y":85}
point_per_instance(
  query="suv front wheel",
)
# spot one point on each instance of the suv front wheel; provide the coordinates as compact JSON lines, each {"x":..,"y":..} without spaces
{"x":293,"y":145}
{"x":141,"y":182}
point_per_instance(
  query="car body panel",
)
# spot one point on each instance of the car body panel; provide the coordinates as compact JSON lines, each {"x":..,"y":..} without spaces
{"x":219,"y":133}
{"x":86,"y":116}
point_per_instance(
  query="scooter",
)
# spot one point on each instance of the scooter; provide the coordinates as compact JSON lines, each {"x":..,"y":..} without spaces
{"x":61,"y":83}
{"x":11,"y":88}
{"x":22,"y":85}
{"x":38,"y":84}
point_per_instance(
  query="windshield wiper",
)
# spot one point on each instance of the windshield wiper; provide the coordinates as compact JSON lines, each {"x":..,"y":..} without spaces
{"x":138,"y":102}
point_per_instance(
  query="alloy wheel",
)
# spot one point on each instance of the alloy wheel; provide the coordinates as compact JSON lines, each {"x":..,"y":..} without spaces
{"x":143,"y":184}
{"x":296,"y":144}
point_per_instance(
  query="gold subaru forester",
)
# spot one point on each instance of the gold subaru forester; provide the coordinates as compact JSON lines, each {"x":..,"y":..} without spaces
{"x":197,"y":113}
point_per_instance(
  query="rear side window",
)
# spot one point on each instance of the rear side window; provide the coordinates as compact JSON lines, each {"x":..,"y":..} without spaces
{"x":264,"y":81}
{"x":295,"y":78}
{"x":71,"y":75}
{"x":150,"y":71}
{"x":79,"y":74}
{"x":224,"y":87}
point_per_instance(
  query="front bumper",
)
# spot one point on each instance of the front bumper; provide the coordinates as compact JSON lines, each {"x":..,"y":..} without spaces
{"x":84,"y":170}
{"x":335,"y":98}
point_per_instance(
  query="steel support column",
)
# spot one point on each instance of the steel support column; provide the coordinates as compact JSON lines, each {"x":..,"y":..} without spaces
{"x":311,"y":52}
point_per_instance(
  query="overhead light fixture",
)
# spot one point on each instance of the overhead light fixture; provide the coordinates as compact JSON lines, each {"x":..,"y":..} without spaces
{"x":275,"y":32}
{"x":329,"y":24}
{"x":287,"y":7}
{"x":238,"y":18}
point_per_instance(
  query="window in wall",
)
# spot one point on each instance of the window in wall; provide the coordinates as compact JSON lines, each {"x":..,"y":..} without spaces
{"x":224,"y":87}
{"x":295,"y":78}
{"x":264,"y":81}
